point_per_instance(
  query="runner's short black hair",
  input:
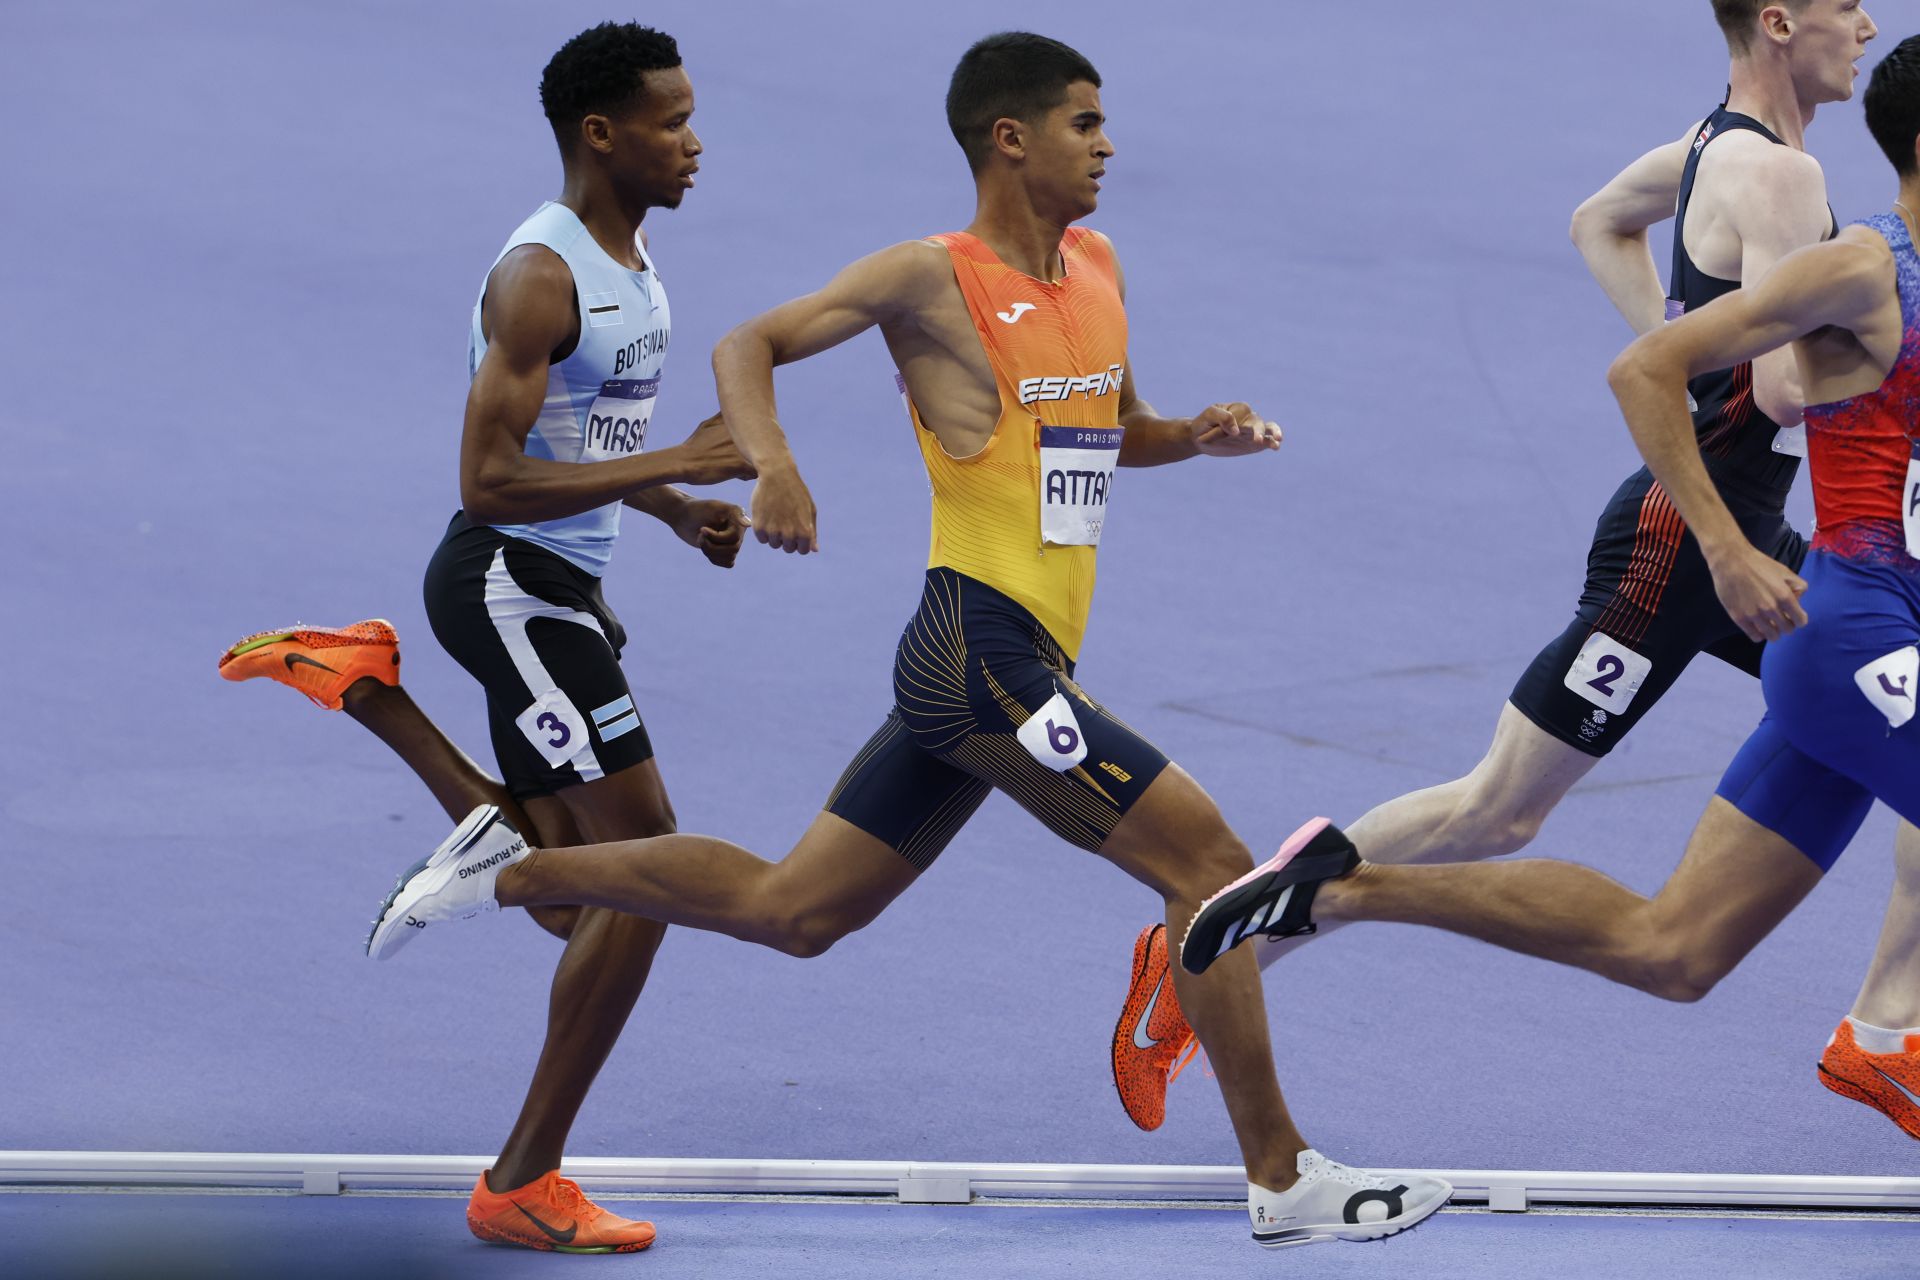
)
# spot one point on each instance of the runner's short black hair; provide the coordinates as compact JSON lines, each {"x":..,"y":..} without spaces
{"x":1892,"y":102}
{"x":1014,"y":75}
{"x":601,"y":71}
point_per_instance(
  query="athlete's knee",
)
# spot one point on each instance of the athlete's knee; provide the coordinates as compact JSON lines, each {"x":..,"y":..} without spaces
{"x":1488,"y":824}
{"x":1683,"y":978}
{"x":1204,"y":868}
{"x":807,"y":933}
{"x":558,"y":921}
{"x":1667,"y":963}
{"x":798,"y":925}
{"x":1510,"y":832}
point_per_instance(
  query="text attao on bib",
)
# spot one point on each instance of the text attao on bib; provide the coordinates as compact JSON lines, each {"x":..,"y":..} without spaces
{"x":1076,"y":476}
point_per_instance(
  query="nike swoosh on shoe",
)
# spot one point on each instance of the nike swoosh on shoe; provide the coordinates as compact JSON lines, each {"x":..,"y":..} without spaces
{"x":558,"y":1237}
{"x":1910,"y":1095}
{"x":1141,"y":1040}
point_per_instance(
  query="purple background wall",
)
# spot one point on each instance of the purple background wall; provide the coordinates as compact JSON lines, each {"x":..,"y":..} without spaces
{"x":242,"y":244}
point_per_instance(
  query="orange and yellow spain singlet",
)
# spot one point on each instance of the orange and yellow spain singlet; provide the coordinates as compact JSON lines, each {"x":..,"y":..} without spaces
{"x":1024,"y":514}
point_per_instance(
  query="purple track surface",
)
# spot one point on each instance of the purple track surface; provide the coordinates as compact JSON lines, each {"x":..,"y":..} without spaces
{"x":58,"y":1237}
{"x":1353,"y":216}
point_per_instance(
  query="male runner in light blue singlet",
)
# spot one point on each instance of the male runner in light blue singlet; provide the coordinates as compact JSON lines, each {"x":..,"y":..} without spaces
{"x":566,"y":347}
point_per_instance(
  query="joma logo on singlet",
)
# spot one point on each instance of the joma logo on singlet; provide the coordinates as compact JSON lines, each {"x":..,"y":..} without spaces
{"x":1092,"y":384}
{"x":630,"y":356}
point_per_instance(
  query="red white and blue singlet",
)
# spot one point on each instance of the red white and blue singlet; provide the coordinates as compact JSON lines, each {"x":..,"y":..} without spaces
{"x":1840,"y":729}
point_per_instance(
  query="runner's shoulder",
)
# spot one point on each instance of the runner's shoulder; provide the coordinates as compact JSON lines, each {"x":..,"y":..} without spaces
{"x":1742,"y":157}
{"x":530,"y":272}
{"x":907,"y":275}
{"x":529,"y":301}
{"x":1859,"y":258}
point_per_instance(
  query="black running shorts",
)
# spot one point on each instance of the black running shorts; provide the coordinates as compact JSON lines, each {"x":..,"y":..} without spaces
{"x":983,"y":698}
{"x":536,"y":633}
{"x":1648,"y":609}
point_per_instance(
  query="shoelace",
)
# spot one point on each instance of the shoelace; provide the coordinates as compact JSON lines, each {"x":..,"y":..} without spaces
{"x":567,"y":1193}
{"x":1346,"y":1175}
{"x":1187,"y":1053}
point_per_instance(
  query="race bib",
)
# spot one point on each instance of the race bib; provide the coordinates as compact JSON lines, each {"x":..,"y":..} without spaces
{"x":1791,"y":440}
{"x":1052,"y":736}
{"x":554,"y":727}
{"x":1910,"y":503}
{"x":1890,"y":682}
{"x":1076,"y":474}
{"x":617,"y":421}
{"x":1607,"y":673}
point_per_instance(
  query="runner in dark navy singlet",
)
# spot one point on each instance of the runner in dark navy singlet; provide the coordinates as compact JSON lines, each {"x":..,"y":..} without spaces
{"x":1648,"y":607}
{"x":1743,"y":194}
{"x":1841,"y":675}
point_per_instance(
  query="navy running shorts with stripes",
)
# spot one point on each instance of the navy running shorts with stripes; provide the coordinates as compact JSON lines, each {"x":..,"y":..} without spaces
{"x":535,"y":631}
{"x":984,"y":697}
{"x":1648,"y":610}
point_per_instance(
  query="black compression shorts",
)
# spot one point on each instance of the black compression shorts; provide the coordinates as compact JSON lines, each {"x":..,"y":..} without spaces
{"x":983,"y":698}
{"x":1648,"y":609}
{"x":536,"y":633}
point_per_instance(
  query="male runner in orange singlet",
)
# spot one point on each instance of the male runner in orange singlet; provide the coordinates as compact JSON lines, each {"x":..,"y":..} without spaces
{"x":1010,"y":340}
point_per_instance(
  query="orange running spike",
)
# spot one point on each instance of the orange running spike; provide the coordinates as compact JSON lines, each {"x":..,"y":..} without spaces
{"x":1887,"y":1082}
{"x":321,"y":662}
{"x":1151,"y":1033}
{"x":553,"y":1215}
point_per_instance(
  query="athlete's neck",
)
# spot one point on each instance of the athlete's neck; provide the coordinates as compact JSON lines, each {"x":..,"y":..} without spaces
{"x":1006,"y":221}
{"x":1908,"y":202}
{"x":611,"y":221}
{"x":1761,"y":87}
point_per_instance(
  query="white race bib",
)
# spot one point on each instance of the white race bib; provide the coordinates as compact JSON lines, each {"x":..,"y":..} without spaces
{"x":1607,"y":673}
{"x":1889,"y":684}
{"x":616,"y":423}
{"x":1076,"y":475}
{"x":1791,"y":440}
{"x":1910,"y":503}
{"x":1052,"y":736}
{"x":555,"y":727}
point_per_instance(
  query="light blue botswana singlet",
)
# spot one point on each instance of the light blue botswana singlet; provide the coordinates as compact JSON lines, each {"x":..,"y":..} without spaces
{"x":600,"y":397}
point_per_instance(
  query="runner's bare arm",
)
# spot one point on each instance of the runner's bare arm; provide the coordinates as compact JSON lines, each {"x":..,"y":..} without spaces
{"x":663,"y":502}
{"x":1610,"y":230}
{"x":1839,"y":283}
{"x":892,"y":283}
{"x":711,"y":526}
{"x":1777,"y":202}
{"x":530,"y":312}
{"x":1221,"y":430}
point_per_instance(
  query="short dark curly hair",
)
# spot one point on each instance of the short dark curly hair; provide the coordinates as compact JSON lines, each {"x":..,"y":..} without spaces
{"x":601,"y":70}
{"x":1893,"y":104}
{"x":1010,"y":75}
